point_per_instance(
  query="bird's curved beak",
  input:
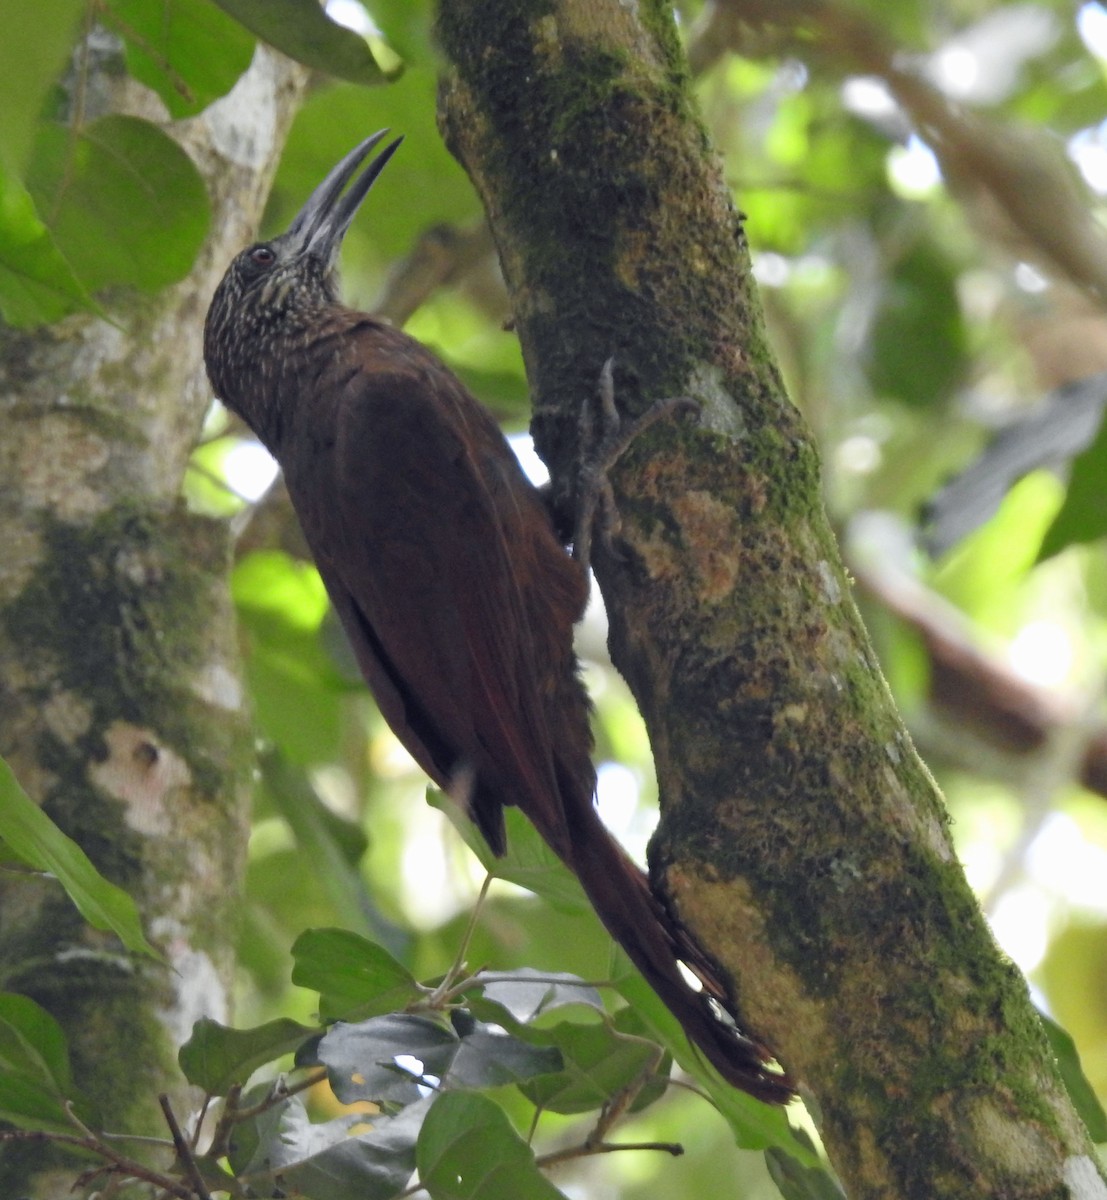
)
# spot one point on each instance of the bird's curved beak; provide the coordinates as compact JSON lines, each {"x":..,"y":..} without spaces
{"x":321,"y":224}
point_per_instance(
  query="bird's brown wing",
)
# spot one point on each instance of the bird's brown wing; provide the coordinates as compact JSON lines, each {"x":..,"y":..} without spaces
{"x":460,"y":604}
{"x":438,"y":623}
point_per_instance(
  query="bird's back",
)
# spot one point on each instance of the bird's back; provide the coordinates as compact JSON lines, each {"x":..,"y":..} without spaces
{"x":443,"y":564}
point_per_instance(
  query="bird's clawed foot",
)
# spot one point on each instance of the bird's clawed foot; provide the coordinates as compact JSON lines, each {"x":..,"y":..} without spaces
{"x":604,"y":439}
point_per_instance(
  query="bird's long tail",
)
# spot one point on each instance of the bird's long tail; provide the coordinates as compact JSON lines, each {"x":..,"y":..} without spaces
{"x":622,"y":897}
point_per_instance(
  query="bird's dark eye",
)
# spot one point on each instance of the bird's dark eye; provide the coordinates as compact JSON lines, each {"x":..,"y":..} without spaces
{"x":262,"y":256}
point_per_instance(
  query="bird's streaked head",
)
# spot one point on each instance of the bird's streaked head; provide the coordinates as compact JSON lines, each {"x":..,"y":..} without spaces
{"x":273,"y":291}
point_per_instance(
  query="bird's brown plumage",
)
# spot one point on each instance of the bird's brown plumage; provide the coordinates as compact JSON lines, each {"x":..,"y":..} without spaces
{"x":453,"y":589}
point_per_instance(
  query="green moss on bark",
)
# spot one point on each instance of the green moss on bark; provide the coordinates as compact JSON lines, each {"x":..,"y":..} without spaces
{"x":120,"y":607}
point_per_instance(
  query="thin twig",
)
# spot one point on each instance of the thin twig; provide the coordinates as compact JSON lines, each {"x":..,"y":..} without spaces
{"x":584,"y":1149}
{"x":449,"y":984}
{"x":143,"y":1139}
{"x":509,"y":977}
{"x":194,"y":1141}
{"x":93,"y":1142}
{"x":132,"y":35}
{"x":77,"y":118}
{"x":277,"y":1095}
{"x":184,"y":1151}
{"x":228,"y":1118}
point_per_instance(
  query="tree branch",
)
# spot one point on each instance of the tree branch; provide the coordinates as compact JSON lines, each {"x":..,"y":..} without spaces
{"x":801,"y":840}
{"x":1012,"y":180}
{"x":123,"y":710}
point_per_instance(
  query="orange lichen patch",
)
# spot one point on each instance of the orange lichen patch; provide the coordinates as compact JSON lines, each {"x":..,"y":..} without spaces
{"x":712,"y":540}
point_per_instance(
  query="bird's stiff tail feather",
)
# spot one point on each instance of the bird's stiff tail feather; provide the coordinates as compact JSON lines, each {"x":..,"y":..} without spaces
{"x":621,"y":895}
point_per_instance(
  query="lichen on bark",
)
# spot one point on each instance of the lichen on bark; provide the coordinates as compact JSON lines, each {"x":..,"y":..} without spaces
{"x":801,"y":838}
{"x":121,"y":706}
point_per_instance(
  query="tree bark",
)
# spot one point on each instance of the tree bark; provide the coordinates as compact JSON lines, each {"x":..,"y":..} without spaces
{"x":801,"y":838}
{"x":121,"y":705}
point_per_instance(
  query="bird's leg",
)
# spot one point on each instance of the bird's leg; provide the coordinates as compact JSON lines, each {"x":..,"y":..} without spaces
{"x":604,"y":439}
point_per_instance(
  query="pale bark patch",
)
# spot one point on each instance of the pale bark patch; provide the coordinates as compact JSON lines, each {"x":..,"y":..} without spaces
{"x":141,"y":771}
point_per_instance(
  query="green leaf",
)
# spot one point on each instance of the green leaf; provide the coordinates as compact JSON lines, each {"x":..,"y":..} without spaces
{"x":487,"y":1058}
{"x":332,"y":844}
{"x":361,"y":1059}
{"x":34,"y":1066}
{"x":396,"y":1058}
{"x":37,"y":285}
{"x":1083,"y":515}
{"x":33,"y":51}
{"x":799,"y":1182}
{"x":31,"y":834}
{"x":526,"y":993}
{"x":755,"y":1125}
{"x":599,"y":1063}
{"x":301,"y":29}
{"x":126,"y":203}
{"x":1080,"y":1091}
{"x":296,"y":687}
{"x":529,"y":862}
{"x":627,"y":1021}
{"x":407,"y":26}
{"x":188,"y":51}
{"x":271,"y":581}
{"x":467,"y":1150}
{"x":358,"y":1157}
{"x":217,"y":1057}
{"x":918,"y":338}
{"x":355,"y":978}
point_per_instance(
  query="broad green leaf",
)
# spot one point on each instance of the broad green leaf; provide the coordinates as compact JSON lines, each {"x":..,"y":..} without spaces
{"x":529,"y":862}
{"x":249,"y":1150}
{"x":488,"y":1058}
{"x":126,"y":204}
{"x":467,"y":1150}
{"x":1083,"y":515}
{"x":355,"y":978}
{"x":1080,"y":1091}
{"x":31,"y":834}
{"x":33,"y":52}
{"x":628,"y":1022}
{"x":599,"y":1063}
{"x":384,"y":1058}
{"x":599,"y":1057}
{"x":37,"y":285}
{"x":273,"y":582}
{"x":399,"y":1057}
{"x":301,"y":29}
{"x":333,"y":845}
{"x":35,"y":1081}
{"x":296,"y":690}
{"x":799,"y":1182}
{"x":296,"y":687}
{"x":188,"y":51}
{"x":407,"y":26}
{"x":526,"y":993}
{"x":217,"y":1057}
{"x":358,"y":1157}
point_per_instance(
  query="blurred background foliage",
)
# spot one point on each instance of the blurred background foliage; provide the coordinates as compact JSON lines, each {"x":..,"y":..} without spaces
{"x":923,"y":186}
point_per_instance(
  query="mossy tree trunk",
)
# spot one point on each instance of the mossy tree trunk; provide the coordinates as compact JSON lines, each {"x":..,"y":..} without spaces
{"x":121,"y":706}
{"x":801,"y":837}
